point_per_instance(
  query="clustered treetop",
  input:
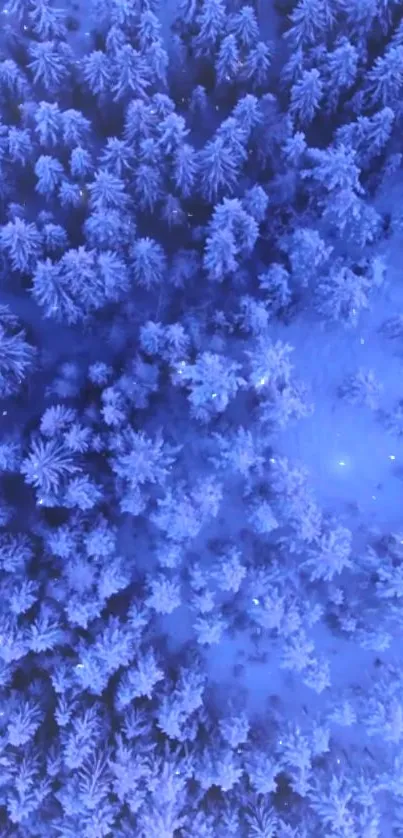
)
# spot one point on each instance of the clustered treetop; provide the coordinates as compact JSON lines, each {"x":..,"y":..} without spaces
{"x":167,"y":201}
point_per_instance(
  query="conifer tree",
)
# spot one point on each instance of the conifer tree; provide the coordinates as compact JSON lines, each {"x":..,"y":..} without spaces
{"x":51,"y":64}
{"x":306,"y":95}
{"x":21,"y":240}
{"x":218,"y":172}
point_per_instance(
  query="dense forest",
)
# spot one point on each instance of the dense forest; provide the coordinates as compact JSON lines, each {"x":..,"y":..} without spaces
{"x":201,"y":456}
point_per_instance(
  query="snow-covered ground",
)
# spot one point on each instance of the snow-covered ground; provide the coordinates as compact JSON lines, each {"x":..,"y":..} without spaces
{"x":356,"y":472}
{"x":356,"y":464}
